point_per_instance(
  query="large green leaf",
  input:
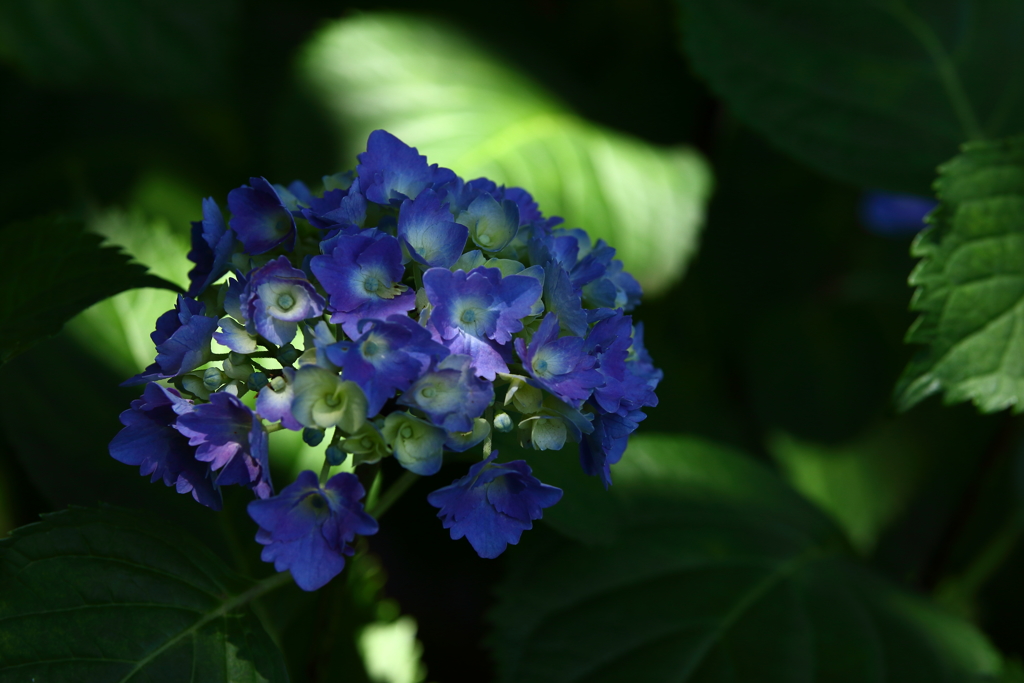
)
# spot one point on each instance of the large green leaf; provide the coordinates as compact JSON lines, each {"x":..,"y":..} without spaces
{"x":440,"y":92}
{"x":970,"y":284}
{"x":877,"y":92}
{"x":102,"y":595}
{"x":148,"y":47}
{"x":55,"y":269}
{"x":715,"y":571}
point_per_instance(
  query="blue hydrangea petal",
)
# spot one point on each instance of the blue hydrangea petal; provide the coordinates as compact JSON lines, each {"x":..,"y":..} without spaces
{"x":561,"y":297}
{"x":362,"y":279}
{"x":212,"y":245}
{"x":150,"y":442}
{"x":493,"y":504}
{"x":274,"y":402}
{"x":306,"y":529}
{"x":560,"y":364}
{"x":452,"y":396}
{"x":260,"y":218}
{"x":389,"y":170}
{"x":182,"y":337}
{"x":231,"y":439}
{"x":235,"y":336}
{"x":386,"y":358}
{"x":428,"y":231}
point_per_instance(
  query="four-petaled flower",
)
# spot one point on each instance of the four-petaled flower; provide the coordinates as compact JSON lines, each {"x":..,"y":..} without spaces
{"x":306,"y":529}
{"x":493,"y":504}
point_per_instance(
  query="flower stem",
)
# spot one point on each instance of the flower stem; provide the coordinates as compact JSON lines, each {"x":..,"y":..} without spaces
{"x":325,"y":471}
{"x":393,"y":493}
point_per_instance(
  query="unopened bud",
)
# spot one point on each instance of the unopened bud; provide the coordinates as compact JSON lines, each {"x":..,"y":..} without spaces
{"x":312,"y":436}
{"x":257,"y":381}
{"x":287,"y":354}
{"x":502,"y":422}
{"x":214,"y":379}
{"x":335,"y":456}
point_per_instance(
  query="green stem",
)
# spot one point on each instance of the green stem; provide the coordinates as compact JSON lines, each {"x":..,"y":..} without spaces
{"x":325,"y":472}
{"x":944,"y":66}
{"x":393,"y":493}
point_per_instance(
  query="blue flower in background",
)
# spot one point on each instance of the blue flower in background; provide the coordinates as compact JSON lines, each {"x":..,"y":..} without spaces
{"x":182,"y":337}
{"x":231,"y":439}
{"x":276,"y":298}
{"x":894,"y":214}
{"x":427,"y":230}
{"x":388,"y":357}
{"x":392,"y":170}
{"x":362,"y":277}
{"x":260,"y":218}
{"x":560,"y":364}
{"x":212,"y":246}
{"x":451,"y":395}
{"x":493,"y":504}
{"x":150,"y":441}
{"x":307,"y":529}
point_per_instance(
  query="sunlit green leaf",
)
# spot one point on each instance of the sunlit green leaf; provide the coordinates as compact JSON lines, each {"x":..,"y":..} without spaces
{"x":863,"y":483}
{"x":714,"y":571}
{"x":441,"y":93}
{"x":147,"y":47}
{"x":55,"y":270}
{"x":874,"y":92}
{"x":104,"y":595}
{"x":970,"y":284}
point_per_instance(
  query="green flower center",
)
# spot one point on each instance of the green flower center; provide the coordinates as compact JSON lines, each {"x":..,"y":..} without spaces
{"x":285,"y":301}
{"x":428,"y":392}
{"x":370,"y":349}
{"x":468,"y":316}
{"x":406,"y":432}
{"x":371,"y":285}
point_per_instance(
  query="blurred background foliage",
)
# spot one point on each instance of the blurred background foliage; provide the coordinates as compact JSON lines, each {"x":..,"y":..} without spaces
{"x":777,"y":316}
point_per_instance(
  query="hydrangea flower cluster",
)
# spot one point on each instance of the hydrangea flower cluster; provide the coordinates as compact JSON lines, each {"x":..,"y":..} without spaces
{"x":401,"y":311}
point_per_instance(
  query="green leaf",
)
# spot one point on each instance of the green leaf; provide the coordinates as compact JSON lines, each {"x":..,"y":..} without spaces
{"x":104,"y":595}
{"x":878,"y":93}
{"x":715,"y":571}
{"x":441,"y":93}
{"x":970,"y":284}
{"x":55,"y":269}
{"x":148,"y":47}
{"x":863,"y":483}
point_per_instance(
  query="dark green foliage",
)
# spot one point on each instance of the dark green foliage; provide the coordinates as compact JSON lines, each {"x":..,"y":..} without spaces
{"x":702,"y":566}
{"x":970,"y":284}
{"x":148,"y":47}
{"x":876,"y":93}
{"x":107,"y":595}
{"x":55,"y":270}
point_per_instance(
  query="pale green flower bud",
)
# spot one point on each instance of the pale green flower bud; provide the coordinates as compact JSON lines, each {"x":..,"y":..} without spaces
{"x":366,"y":446}
{"x":527,"y":399}
{"x":323,"y":400}
{"x":237,"y":366}
{"x":543,"y":433}
{"x":418,"y":445}
{"x":193,"y":383}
